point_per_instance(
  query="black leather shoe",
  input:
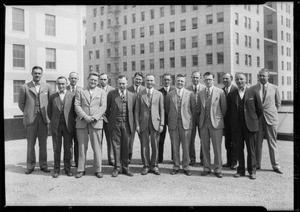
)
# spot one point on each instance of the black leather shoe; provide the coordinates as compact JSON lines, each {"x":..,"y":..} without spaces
{"x":29,"y":171}
{"x":219,"y":175}
{"x":252,"y":176}
{"x":45,"y":170}
{"x":226,"y":165}
{"x":192,"y":162}
{"x":201,"y":164}
{"x":99,"y":174}
{"x":258,"y":168}
{"x":187,"y":172}
{"x":277,"y":170}
{"x":128,"y":173}
{"x":111,"y":163}
{"x":55,"y":175}
{"x":145,"y":171}
{"x":174,"y":171}
{"x":115,"y":173}
{"x":237,"y":175}
{"x":80,"y":174}
{"x":156,"y":172}
{"x":234,"y":167}
{"x":204,"y":173}
{"x":69,"y":174}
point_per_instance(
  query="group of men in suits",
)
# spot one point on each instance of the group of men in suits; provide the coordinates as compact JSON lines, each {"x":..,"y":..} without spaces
{"x":81,"y":114}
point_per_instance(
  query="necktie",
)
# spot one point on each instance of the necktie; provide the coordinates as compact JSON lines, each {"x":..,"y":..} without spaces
{"x":136,"y":89}
{"x":264,"y":92}
{"x":149,"y":96}
{"x":123,"y":95}
{"x":226,"y":91}
{"x":73,"y":89}
{"x":195,"y":89}
{"x":207,"y":92}
{"x":178,"y":94}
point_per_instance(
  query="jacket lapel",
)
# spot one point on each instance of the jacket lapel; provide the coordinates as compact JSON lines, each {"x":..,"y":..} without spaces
{"x":202,"y":94}
{"x":174,"y":99}
{"x":144,"y":97}
{"x":87,"y":95}
{"x":117,"y":96}
{"x":57,"y":100}
{"x":32,"y":88}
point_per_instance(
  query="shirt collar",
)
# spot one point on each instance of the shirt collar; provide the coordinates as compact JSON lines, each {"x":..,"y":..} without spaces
{"x":35,"y":84}
{"x":121,"y":92}
{"x":210,"y":88}
{"x":229,"y":87}
{"x":64,"y":92}
{"x":104,"y":87}
{"x":266,"y":85}
{"x":151,"y":90}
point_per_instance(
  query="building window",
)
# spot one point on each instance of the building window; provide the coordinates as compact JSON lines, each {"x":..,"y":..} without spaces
{"x":94,"y":39}
{"x":18,"y":56}
{"x":194,"y":42}
{"x":125,"y":19}
{"x":132,"y":49}
{"x":257,"y":26}
{"x":258,"y":61}
{"x":172,"y":10}
{"x":220,"y":77}
{"x":133,"y":18}
{"x":133,"y":33}
{"x":246,"y":40}
{"x":208,"y":39}
{"x":282,"y":80}
{"x":18,"y":19}
{"x":98,"y":68}
{"x":270,"y":50}
{"x":162,"y":12}
{"x":270,"y":34}
{"x":195,"y":7}
{"x":270,"y":65}
{"x":220,"y":38}
{"x":257,"y":44}
{"x":50,"y":25}
{"x":161,"y":46}
{"x":282,"y":35}
{"x":101,"y":25}
{"x":250,"y":60}
{"x":183,"y":61}
{"x":94,"y":26}
{"x":172,"y":26}
{"x":183,"y":8}
{"x":257,"y":9}
{"x":124,"y":66}
{"x":116,"y":36}
{"x":161,"y":63}
{"x":102,"y":10}
{"x":161,"y":29}
{"x":237,"y":38}
{"x":151,"y":64}
{"x":182,"y":43}
{"x":152,"y":14}
{"x":172,"y":62}
{"x":124,"y":51}
{"x":143,"y":16}
{"x":108,"y":67}
{"x":195,"y":60}
{"x":220,"y":58}
{"x":246,"y":21}
{"x":209,"y":59}
{"x":97,"y":54}
{"x":101,"y":38}
{"x":108,"y":37}
{"x":182,"y":25}
{"x":236,"y":21}
{"x":142,"y":48}
{"x":142,"y":32}
{"x":124,"y":35}
{"x":172,"y":44}
{"x":151,"y":47}
{"x":220,"y":17}
{"x":17,"y":85}
{"x":237,"y":58}
{"x":282,"y":95}
{"x":194,"y":23}
{"x":50,"y":58}
{"x":249,"y":39}
{"x":133,"y":65}
{"x":282,"y":50}
{"x":249,"y":23}
{"x":246,"y":59}
{"x":151,"y":30}
{"x":142,"y":65}
{"x":117,"y":67}
{"x":289,"y":95}
{"x":108,"y":52}
{"x":209,"y":19}
{"x":269,"y":19}
{"x":289,"y":80}
{"x":282,"y":65}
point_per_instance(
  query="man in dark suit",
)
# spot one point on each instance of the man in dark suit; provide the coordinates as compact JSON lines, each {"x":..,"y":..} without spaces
{"x":164,"y":90}
{"x":196,"y":87}
{"x":135,"y":88}
{"x":33,"y":102}
{"x":90,"y":105}
{"x":229,"y":141}
{"x":120,"y":114}
{"x":269,"y":121}
{"x":244,"y":110}
{"x":73,"y":88}
{"x":110,"y":154}
{"x":149,"y":119}
{"x":62,"y":121}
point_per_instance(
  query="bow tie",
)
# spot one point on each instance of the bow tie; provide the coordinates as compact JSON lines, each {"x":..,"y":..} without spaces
{"x":37,"y":83}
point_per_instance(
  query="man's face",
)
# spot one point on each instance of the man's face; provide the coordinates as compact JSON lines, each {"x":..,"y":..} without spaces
{"x":150,"y":81}
{"x":196,"y":78}
{"x":138,"y":80}
{"x":61,"y":84}
{"x":180,"y":82}
{"x":208,"y":80}
{"x":263,"y":77}
{"x":93,"y":81}
{"x":167,"y":81}
{"x":122,"y":84}
{"x":227,"y":80}
{"x":240,"y":80}
{"x":103,"y":80}
{"x":73,"y":78}
{"x":36,"y":74}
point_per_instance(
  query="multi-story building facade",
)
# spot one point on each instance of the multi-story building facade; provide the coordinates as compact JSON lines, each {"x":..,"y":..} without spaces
{"x":176,"y":39}
{"x":48,"y":36}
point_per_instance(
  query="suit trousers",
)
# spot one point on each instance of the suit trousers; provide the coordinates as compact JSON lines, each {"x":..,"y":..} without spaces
{"x":38,"y":129}
{"x":149,"y":135}
{"x":192,"y":144}
{"x":130,"y":150}
{"x":177,"y":136}
{"x":208,"y":132}
{"x":243,"y":134}
{"x":162,"y":137}
{"x":95,"y":135}
{"x":110,"y":153}
{"x":270,"y":132}
{"x":74,"y":141}
{"x":62,"y":132}
{"x":230,"y":146}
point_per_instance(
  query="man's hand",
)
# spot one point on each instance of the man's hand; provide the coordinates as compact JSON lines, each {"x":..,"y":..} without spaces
{"x":138,"y":129}
{"x":88,"y":119}
{"x":161,"y":128}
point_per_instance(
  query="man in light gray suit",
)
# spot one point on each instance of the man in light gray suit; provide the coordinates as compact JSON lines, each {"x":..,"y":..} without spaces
{"x":33,"y":102}
{"x":149,"y":118}
{"x":212,"y":107}
{"x":268,"y":123}
{"x":90,"y":105}
{"x":181,"y":110}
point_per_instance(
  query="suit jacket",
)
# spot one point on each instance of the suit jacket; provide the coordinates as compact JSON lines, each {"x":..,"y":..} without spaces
{"x":87,"y":105}
{"x":142,"y":114}
{"x":164,"y":92}
{"x":54,"y":111}
{"x":199,"y":88}
{"x":217,"y":110}
{"x":131,"y":88}
{"x":252,"y":109}
{"x":271,"y":104}
{"x":188,"y":109}
{"x":112,"y":110}
{"x":233,"y":88}
{"x":107,"y":90}
{"x":28,"y":98}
